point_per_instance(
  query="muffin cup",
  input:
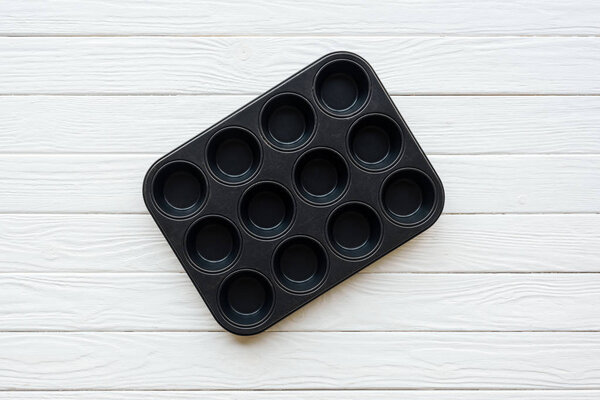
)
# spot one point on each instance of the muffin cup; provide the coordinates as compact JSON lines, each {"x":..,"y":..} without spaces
{"x":342,"y":88}
{"x":213,"y":243}
{"x":288,"y":121}
{"x":246,"y":297}
{"x":408,"y":197}
{"x":233,"y":155}
{"x":179,"y":189}
{"x":375,"y":142}
{"x":300,"y":264}
{"x":267,"y":210}
{"x":321,"y":176}
{"x":354,"y":230}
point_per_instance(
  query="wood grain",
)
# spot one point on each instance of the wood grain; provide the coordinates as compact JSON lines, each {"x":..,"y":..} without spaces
{"x":442,"y":124}
{"x":499,"y":300}
{"x":304,"y":394}
{"x":456,"y":243}
{"x":473,"y":184}
{"x":300,"y":360}
{"x":250,"y":65}
{"x":237,"y":17}
{"x":367,"y":302}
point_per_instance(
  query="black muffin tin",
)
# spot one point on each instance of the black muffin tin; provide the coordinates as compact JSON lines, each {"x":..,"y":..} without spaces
{"x":293,"y":193}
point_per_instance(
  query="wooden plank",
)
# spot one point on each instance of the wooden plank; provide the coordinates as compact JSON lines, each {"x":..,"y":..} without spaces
{"x":456,"y":243}
{"x":367,"y":302}
{"x":307,"y":394}
{"x":237,"y":17}
{"x":473,"y":184}
{"x":442,"y":124}
{"x":300,"y":360}
{"x":250,"y":65}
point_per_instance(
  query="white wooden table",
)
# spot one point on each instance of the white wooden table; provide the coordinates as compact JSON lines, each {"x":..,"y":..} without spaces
{"x":499,"y":300}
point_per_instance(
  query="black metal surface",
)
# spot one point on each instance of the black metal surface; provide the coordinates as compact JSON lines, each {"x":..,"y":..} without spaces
{"x":293,"y":193}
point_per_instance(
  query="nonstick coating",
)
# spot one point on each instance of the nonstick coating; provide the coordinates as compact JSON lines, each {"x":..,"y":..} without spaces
{"x":293,"y":193}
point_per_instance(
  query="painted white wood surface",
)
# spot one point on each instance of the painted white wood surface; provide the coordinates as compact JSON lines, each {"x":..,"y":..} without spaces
{"x":499,"y":300}
{"x":367,"y":302}
{"x":251,"y":65}
{"x":300,"y":360}
{"x":348,"y":17}
{"x":304,"y":394}
{"x":473,"y":183}
{"x":480,"y":243}
{"x":118,"y":124}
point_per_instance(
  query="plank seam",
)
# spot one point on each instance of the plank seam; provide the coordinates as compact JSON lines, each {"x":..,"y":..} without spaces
{"x":242,"y":35}
{"x":216,"y":330}
{"x":391,"y":93}
{"x":324,"y":389}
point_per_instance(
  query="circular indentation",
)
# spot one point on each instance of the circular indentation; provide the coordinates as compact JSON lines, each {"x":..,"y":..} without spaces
{"x":288,"y":121}
{"x":342,"y":87}
{"x":246,"y":297}
{"x":375,"y":142}
{"x":408,"y":196}
{"x":213,"y":243}
{"x":321,"y":176}
{"x":233,"y":155}
{"x":354,"y":230}
{"x":267,"y":209}
{"x":300,"y":264}
{"x":179,"y":189}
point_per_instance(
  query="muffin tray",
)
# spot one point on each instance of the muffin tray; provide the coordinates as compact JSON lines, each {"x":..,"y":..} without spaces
{"x":293,"y":193}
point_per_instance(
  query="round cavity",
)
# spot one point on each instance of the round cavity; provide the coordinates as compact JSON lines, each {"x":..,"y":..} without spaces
{"x":408,"y":196}
{"x":321,"y":176}
{"x":342,"y":87}
{"x":246,"y":297}
{"x":267,"y":209}
{"x":179,"y":189}
{"x":354,"y":230}
{"x":300,"y":264}
{"x":288,"y":121}
{"x":213,"y":243}
{"x":233,"y":155}
{"x":375,"y":142}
